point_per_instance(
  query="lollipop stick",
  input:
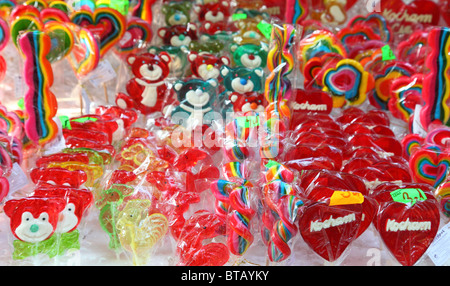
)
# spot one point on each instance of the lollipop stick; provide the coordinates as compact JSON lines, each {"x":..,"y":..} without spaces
{"x":105,"y":90}
{"x":81,"y":103}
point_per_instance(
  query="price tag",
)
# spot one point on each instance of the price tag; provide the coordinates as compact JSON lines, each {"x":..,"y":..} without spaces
{"x":265,"y":28}
{"x":247,"y":121}
{"x":21,"y":104}
{"x":271,"y":164}
{"x":65,"y":122}
{"x":238,"y":16}
{"x":84,"y":119}
{"x":387,"y":54}
{"x":346,"y":198}
{"x":408,"y":196}
{"x":120,"y":5}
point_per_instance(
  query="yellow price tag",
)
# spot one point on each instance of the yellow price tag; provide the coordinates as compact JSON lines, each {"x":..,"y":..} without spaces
{"x":346,"y":198}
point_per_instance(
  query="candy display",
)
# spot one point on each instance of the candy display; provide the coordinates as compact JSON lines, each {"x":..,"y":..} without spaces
{"x":224,"y":133}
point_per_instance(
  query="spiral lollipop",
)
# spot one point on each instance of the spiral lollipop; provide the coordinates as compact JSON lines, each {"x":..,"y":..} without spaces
{"x":277,"y":171}
{"x":239,"y":234}
{"x":284,"y":229}
{"x":236,"y":144}
{"x":235,"y":171}
{"x":280,"y":63}
{"x":221,"y":190}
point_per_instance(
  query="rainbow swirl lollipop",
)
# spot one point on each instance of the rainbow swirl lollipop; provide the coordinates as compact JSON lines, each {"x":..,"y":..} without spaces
{"x":318,"y":43}
{"x":40,"y":103}
{"x":239,"y":231}
{"x":436,"y":85}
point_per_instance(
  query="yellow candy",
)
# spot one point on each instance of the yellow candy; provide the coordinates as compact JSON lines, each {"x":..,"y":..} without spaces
{"x":138,"y":231}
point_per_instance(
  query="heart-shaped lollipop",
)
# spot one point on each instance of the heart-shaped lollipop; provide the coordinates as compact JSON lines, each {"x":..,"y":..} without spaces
{"x":137,"y":36}
{"x":106,"y":23}
{"x":85,"y":53}
{"x":410,"y":143}
{"x":407,"y":220}
{"x":429,"y":166}
{"x":329,"y":230}
{"x":305,"y":151}
{"x":382,"y":143}
{"x":347,"y":197}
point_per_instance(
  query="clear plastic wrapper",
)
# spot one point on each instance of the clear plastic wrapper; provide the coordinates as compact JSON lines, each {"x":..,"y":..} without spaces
{"x":407,"y":219}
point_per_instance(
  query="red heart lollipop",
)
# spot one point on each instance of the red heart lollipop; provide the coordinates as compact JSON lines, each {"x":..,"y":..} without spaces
{"x":316,"y":139}
{"x":313,"y":178}
{"x":359,"y":128}
{"x":368,"y":204}
{"x":407,"y":220}
{"x":386,"y":144}
{"x":329,"y":230}
{"x":303,"y":152}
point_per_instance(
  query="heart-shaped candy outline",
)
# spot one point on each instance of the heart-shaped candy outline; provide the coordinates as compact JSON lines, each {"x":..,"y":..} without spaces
{"x":111,"y":22}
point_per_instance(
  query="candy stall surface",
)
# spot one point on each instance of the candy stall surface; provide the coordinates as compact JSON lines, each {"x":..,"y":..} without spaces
{"x":224,"y":133}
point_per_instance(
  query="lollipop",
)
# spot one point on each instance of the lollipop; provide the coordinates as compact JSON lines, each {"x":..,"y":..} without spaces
{"x":4,"y":34}
{"x":318,"y":43}
{"x":221,"y":190}
{"x":284,"y":229}
{"x":108,"y":24}
{"x":239,"y":234}
{"x":40,"y":102}
{"x":200,"y":226}
{"x":383,"y":81}
{"x":60,"y":5}
{"x":406,"y":93}
{"x":429,"y":166}
{"x":5,"y":8}
{"x":62,"y":40}
{"x":298,"y":13}
{"x":238,"y":133}
{"x":348,"y":82}
{"x":137,"y":36}
{"x":85,"y":53}
{"x":280,"y":63}
{"x":354,"y":36}
{"x":414,"y":49}
{"x":143,"y":10}
{"x":436,"y":85}
{"x":138,"y":231}
{"x":24,"y":23}
{"x":376,"y":22}
{"x":410,"y":143}
{"x":10,"y":122}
